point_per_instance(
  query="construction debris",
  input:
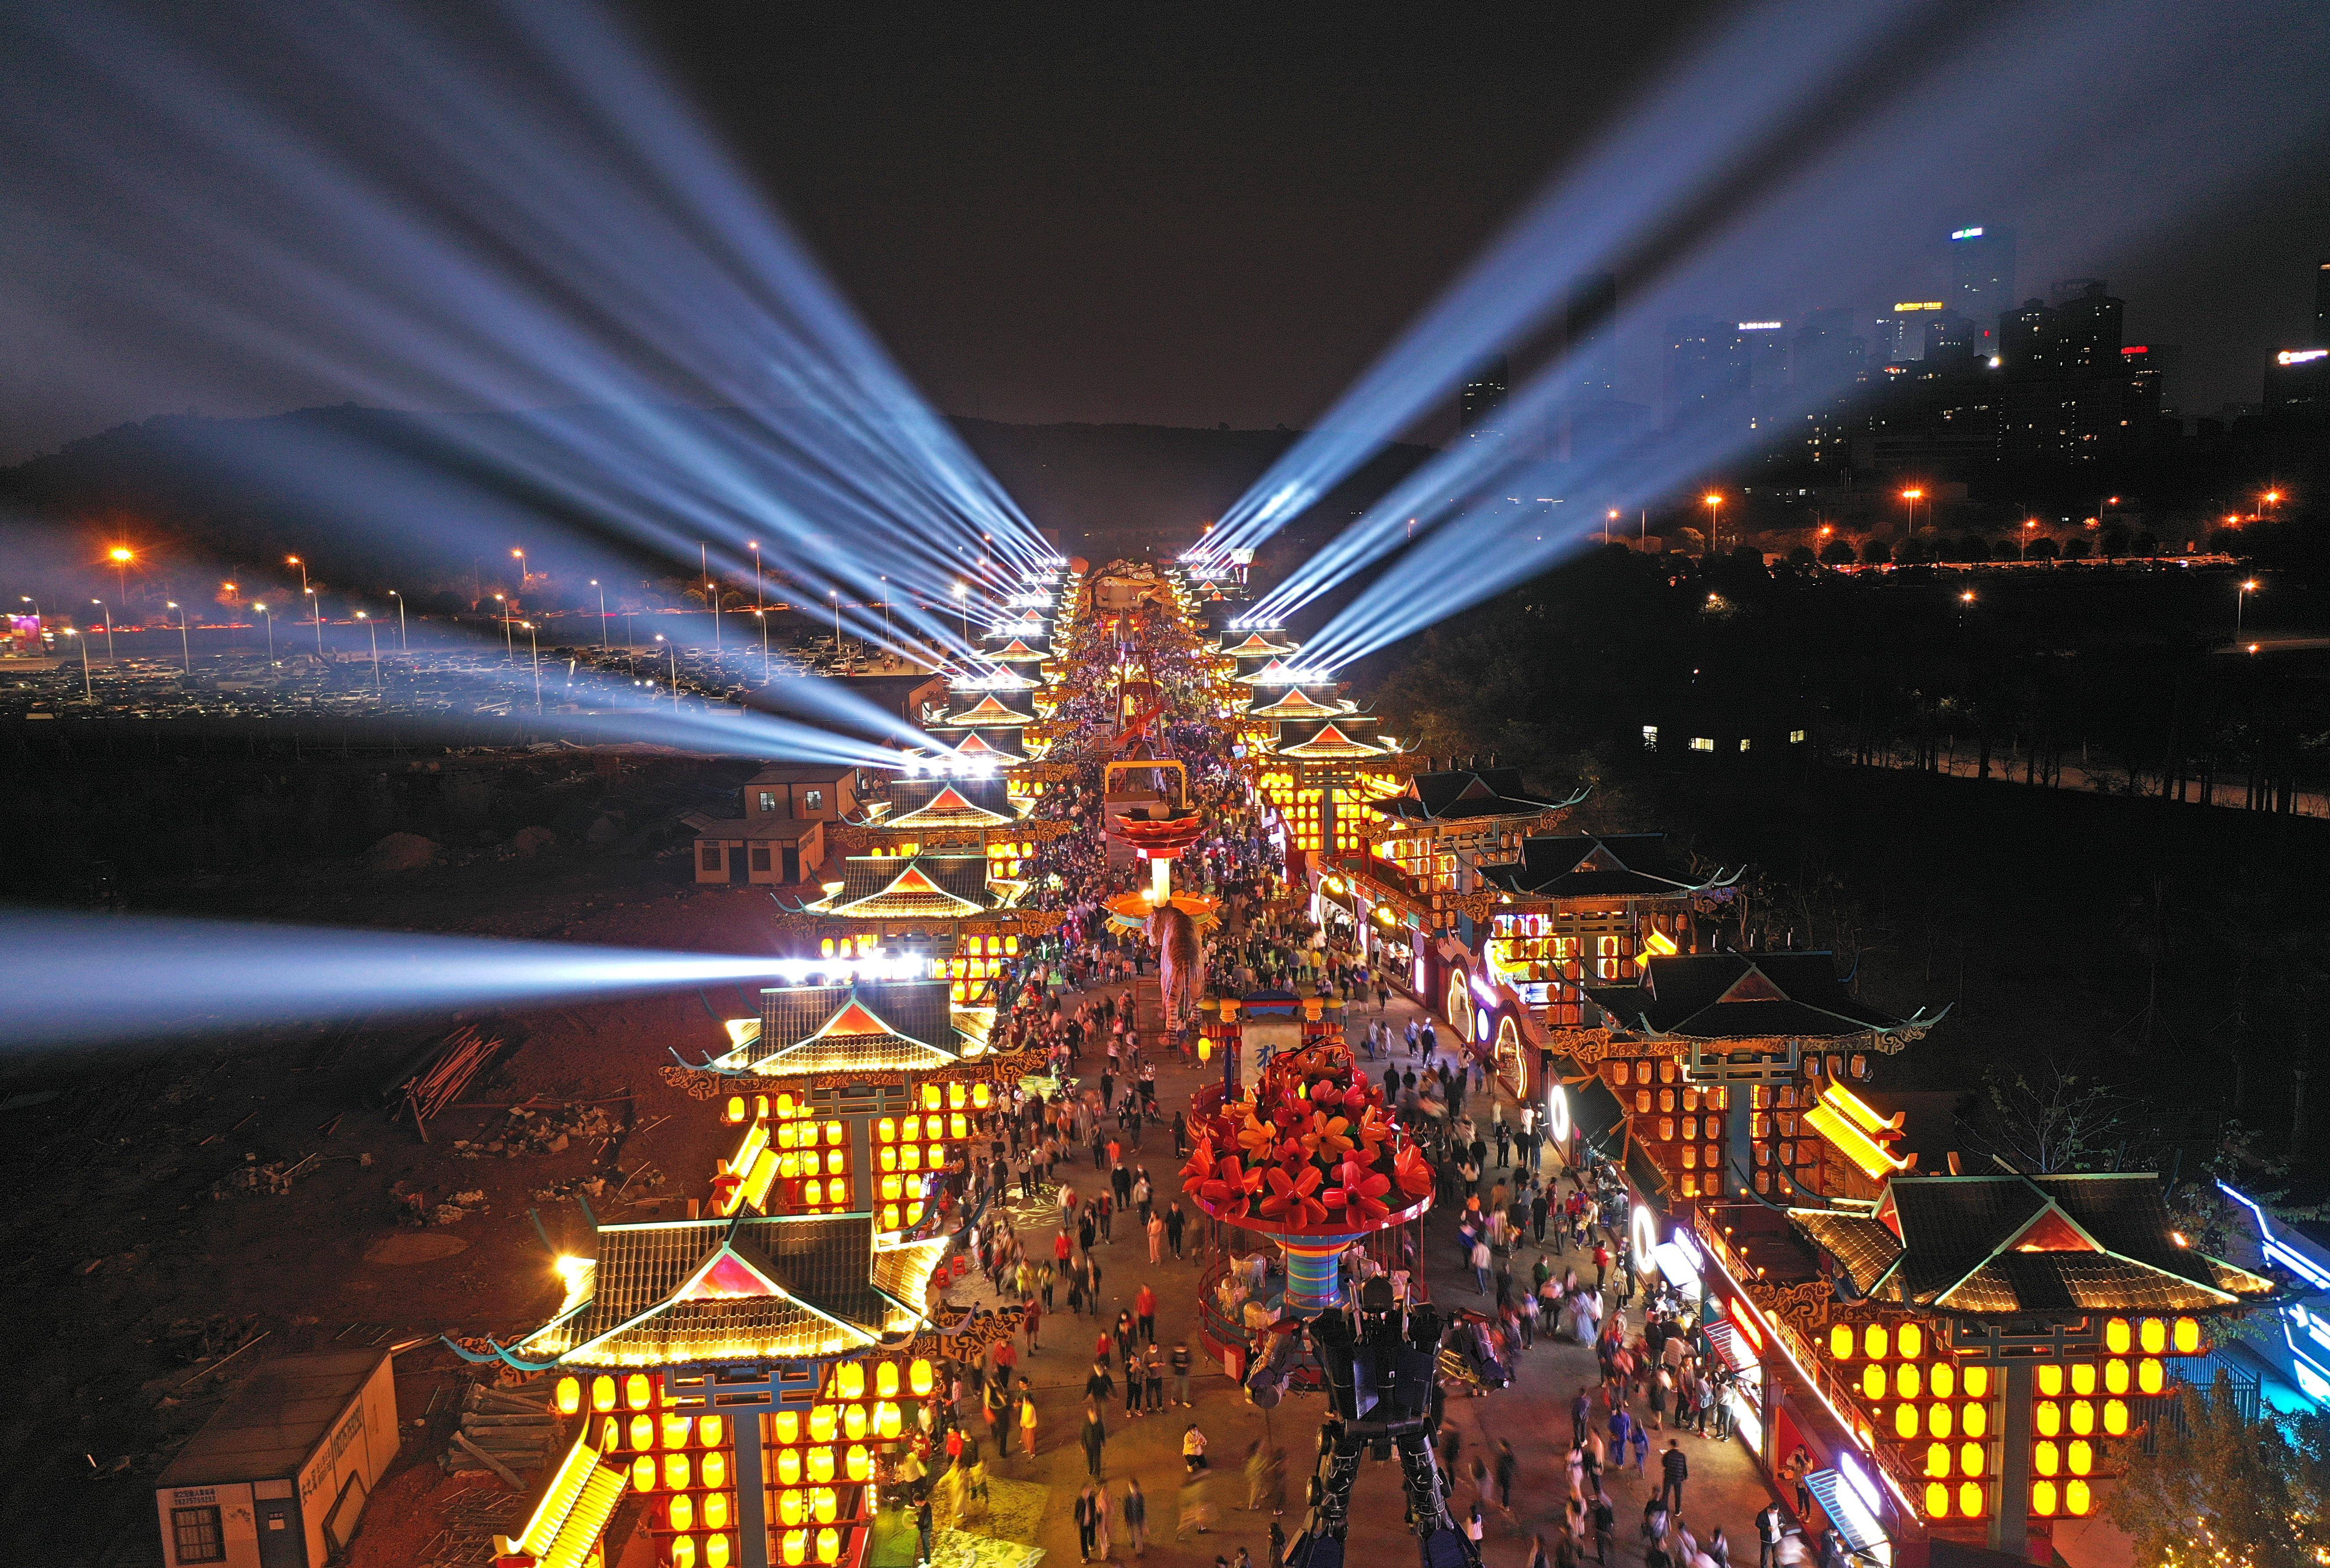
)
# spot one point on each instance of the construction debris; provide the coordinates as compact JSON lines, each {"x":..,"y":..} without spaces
{"x":274,"y":1178}
{"x":442,"y":1075}
{"x":550,"y":1129}
{"x":510,"y":1431}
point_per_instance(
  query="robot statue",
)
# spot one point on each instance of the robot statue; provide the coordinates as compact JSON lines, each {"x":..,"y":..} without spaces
{"x":1381,"y":1363}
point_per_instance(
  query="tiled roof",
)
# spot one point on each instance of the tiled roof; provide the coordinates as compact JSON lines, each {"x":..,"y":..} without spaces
{"x":578,"y":1537}
{"x":989,"y":712}
{"x":921,"y":886}
{"x":878,"y":1026}
{"x":1329,"y":744}
{"x":948,"y":807}
{"x":1743,"y":996}
{"x":976,"y":746}
{"x":1467,"y":795}
{"x":1589,"y":865}
{"x":902,"y":1272}
{"x":1296,"y":703}
{"x":2007,"y":1244}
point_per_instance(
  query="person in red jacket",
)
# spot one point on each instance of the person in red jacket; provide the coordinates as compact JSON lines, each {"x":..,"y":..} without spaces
{"x":1144,"y":1308}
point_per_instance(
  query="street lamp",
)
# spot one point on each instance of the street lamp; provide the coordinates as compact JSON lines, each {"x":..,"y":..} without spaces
{"x":603,"y":614}
{"x":121,"y":555}
{"x":2029,"y":525}
{"x":186,"y":647}
{"x":262,"y":609}
{"x":304,"y":591}
{"x":402,"y":644}
{"x":1910,"y":497}
{"x":373,"y":631}
{"x":712,"y":592}
{"x":524,"y":576}
{"x":318,"y":598}
{"x":759,"y":602}
{"x":2270,"y":498}
{"x":110,"y":657}
{"x":2240,"y":603}
{"x":35,"y":603}
{"x":674,"y":657}
{"x":762,"y":617}
{"x":87,"y":691}
{"x":534,"y":642}
{"x":835,"y":594}
{"x":1713,"y":500}
{"x":510,"y":645}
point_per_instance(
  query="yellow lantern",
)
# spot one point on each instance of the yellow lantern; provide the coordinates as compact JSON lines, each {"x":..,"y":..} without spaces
{"x":1907,"y":1381}
{"x":1975,"y":1420}
{"x":716,"y":1552}
{"x":610,"y":1436}
{"x":735,"y":1108}
{"x":1872,"y":1383}
{"x":639,"y":1392}
{"x":2115,"y":1418}
{"x":2083,"y":1416}
{"x":570,"y":1395}
{"x":788,"y":1426}
{"x":681,"y":1512}
{"x":675,"y":1427}
{"x":2153,"y":1335}
{"x":709,"y":1430}
{"x":2118,"y":1335}
{"x":715,"y":1511}
{"x":2077,"y":1500}
{"x":603,"y":1394}
{"x":2047,"y":1418}
{"x":791,"y":1507}
{"x":1910,"y":1341}
{"x":1942,"y":1380}
{"x":858,"y":1463}
{"x":886,"y":1375}
{"x":849,"y":1379}
{"x":931,"y":1097}
{"x":1905,"y":1420}
{"x":1840,"y":1341}
{"x":820,"y":1464}
{"x":2050,"y":1380}
{"x":853,"y":1422}
{"x":643,"y":1473}
{"x":1977,"y":1382}
{"x":1970,"y":1458}
{"x":796,"y":1548}
{"x":643,"y":1432}
{"x":2187,"y":1337}
{"x":2081,"y":1456}
{"x":828,"y":1545}
{"x":1938,"y":1499}
{"x":677,"y":1472}
{"x":2083,"y":1377}
{"x":1938,"y":1459}
{"x":1970,"y":1499}
{"x":1205,"y":1054}
{"x":824,"y":1505}
{"x":1939,"y":1420}
{"x":2116,"y":1376}
{"x":1873,"y":1341}
{"x":683,"y":1551}
{"x":715,"y":1468}
{"x":918,"y":1376}
{"x":886,"y":1422}
{"x":2046,"y":1458}
{"x":820,"y":1423}
{"x":789,"y":1467}
{"x":2042,"y":1499}
{"x":2151,"y":1376}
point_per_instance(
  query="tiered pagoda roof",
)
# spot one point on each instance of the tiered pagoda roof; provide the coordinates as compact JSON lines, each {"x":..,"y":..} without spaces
{"x":1467,"y":794}
{"x":1734,"y":996}
{"x":1255,"y":646}
{"x":989,"y":712}
{"x":2011,"y":1244}
{"x":1595,"y":865}
{"x":750,"y":1287}
{"x":1298,"y":704}
{"x":947,"y":803}
{"x":1330,"y":744}
{"x":883,"y":1026}
{"x":1017,"y":651}
{"x":930,"y":886}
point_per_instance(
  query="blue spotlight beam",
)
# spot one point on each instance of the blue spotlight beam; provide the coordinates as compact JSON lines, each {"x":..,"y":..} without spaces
{"x":1985,"y":121}
{"x":69,"y":979}
{"x":535,"y":220}
{"x":1706,"y":120}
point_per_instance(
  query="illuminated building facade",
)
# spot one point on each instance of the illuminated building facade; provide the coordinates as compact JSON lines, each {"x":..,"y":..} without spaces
{"x":750,"y":1370}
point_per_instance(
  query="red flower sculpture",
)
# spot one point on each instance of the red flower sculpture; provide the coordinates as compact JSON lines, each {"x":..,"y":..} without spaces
{"x":1290,"y":1197}
{"x":1414,"y":1172}
{"x":1230,"y":1189}
{"x":1310,"y":1146}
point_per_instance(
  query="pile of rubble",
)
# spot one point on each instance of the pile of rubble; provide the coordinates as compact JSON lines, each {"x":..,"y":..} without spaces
{"x":531,"y":1129}
{"x":509,"y":1430}
{"x":275,"y":1177}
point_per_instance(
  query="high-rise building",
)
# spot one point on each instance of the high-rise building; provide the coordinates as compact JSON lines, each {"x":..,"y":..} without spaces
{"x":1696,"y":377}
{"x":1982,"y":276}
{"x":1900,"y":332}
{"x":1590,"y":334}
{"x":2088,"y":332}
{"x":1482,"y":399}
{"x":1828,"y":354}
{"x":2063,"y":291}
{"x":1952,"y":338}
{"x":2027,"y":341}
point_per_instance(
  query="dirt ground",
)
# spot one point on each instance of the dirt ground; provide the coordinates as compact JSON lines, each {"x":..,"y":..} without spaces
{"x":134,"y":1279}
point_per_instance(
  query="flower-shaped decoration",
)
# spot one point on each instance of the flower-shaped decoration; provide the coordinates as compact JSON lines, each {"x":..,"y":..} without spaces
{"x":1312,"y":1148}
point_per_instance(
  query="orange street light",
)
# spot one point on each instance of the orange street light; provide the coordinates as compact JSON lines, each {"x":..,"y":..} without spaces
{"x":2240,"y":602}
{"x":1714,"y":499}
{"x":1966,"y":597}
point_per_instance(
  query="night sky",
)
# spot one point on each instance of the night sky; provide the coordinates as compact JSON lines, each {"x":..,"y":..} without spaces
{"x":1219,"y":215}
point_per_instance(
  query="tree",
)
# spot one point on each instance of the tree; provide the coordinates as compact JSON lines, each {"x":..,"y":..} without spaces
{"x":2229,"y":1490}
{"x":1837,"y":552}
{"x":2041,"y":548}
{"x":2063,"y":1122}
{"x":2078,"y":549}
{"x":1876,"y":553}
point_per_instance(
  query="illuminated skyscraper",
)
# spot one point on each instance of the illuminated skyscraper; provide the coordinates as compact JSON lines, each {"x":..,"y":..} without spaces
{"x":1484,"y":395}
{"x":2027,"y":342}
{"x":1982,"y":276}
{"x":1900,"y":332}
{"x":2088,"y":332}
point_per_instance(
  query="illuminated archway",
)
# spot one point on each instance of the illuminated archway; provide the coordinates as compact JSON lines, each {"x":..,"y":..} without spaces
{"x":1460,"y":1008}
{"x":1512,"y":1070}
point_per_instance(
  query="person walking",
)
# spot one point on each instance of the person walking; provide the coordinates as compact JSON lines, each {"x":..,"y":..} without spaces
{"x":1088,"y":1522}
{"x":1155,"y":1232}
{"x":1095,"y":1438}
{"x":1508,"y":1465}
{"x":1026,"y":1421}
{"x":1134,"y":1512}
{"x":1768,"y":1530}
{"x":1176,"y":1223}
{"x":1144,"y":1308}
{"x":1181,"y":1377}
{"x":1479,"y":1261}
{"x":923,"y":1534}
{"x":1673,"y":1471}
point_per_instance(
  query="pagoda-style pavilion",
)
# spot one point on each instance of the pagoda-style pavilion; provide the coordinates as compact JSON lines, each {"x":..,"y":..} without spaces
{"x":1578,"y":910}
{"x":953,"y":907}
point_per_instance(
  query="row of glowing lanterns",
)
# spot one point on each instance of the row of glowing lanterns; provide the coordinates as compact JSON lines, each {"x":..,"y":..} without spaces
{"x":785,"y":1107}
{"x":795,"y":1548}
{"x":2153,"y":1336}
{"x":1967,"y":1499}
